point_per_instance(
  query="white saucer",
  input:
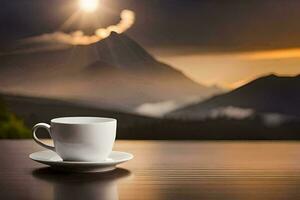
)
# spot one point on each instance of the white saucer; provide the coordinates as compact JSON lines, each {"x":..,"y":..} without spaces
{"x":50,"y":158}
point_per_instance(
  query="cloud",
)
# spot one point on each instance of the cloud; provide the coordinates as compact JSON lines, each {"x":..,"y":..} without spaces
{"x":159,"y":109}
{"x":79,"y":38}
{"x":269,"y":119}
{"x":273,"y":119}
{"x":231,"y":112}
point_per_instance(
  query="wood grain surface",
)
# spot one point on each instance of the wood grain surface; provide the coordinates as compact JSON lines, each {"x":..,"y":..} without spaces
{"x":162,"y":170}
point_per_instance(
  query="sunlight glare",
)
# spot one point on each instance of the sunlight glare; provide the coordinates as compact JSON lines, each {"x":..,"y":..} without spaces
{"x":88,"y":5}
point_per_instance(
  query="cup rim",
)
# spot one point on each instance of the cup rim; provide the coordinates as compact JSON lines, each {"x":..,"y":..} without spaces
{"x":81,"y":120}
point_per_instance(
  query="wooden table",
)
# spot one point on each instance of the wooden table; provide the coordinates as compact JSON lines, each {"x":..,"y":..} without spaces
{"x":162,"y":170}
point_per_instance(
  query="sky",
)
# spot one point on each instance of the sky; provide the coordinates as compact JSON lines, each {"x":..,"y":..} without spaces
{"x":234,"y":69}
{"x":215,"y":42}
{"x":208,"y":24}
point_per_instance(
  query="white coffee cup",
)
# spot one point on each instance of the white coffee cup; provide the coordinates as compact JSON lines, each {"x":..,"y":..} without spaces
{"x":80,"y":138}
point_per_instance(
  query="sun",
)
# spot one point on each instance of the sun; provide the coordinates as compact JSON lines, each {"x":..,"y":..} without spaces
{"x":88,"y":5}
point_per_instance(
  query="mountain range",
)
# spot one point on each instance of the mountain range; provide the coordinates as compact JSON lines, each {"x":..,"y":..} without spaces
{"x":116,"y":77}
{"x":266,"y":95}
{"x":115,"y":73}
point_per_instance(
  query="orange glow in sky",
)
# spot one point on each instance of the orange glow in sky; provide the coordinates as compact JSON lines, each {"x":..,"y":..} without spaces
{"x":230,"y":70}
{"x":273,"y":54}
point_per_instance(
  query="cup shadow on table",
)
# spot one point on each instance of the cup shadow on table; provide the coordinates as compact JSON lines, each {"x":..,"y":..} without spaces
{"x":68,"y":185}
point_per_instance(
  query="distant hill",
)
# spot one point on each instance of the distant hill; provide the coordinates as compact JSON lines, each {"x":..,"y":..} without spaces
{"x":33,"y":110}
{"x":114,"y":73}
{"x":269,"y":94}
{"x":130,"y":126}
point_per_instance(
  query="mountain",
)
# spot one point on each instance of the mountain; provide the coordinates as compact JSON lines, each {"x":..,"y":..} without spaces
{"x":113,"y":73}
{"x":269,"y":94}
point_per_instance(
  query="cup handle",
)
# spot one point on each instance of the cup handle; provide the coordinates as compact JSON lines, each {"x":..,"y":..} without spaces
{"x":37,"y":140}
